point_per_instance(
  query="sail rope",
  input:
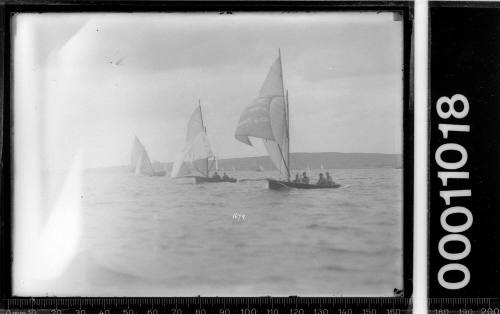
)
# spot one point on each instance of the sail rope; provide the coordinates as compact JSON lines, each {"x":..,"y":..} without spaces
{"x":279,"y":146}
{"x":282,"y":157}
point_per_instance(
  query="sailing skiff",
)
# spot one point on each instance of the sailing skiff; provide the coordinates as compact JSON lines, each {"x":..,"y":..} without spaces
{"x":140,"y":163}
{"x":213,"y":180}
{"x":278,"y":185}
{"x":197,"y":158}
{"x":267,"y":118}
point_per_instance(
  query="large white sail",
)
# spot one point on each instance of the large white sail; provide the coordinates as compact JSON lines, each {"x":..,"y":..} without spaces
{"x":194,"y":158}
{"x":140,"y":163}
{"x":266,"y":118}
{"x":195,"y":125}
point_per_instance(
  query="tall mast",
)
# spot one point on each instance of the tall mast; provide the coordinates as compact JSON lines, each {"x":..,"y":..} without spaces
{"x":201,"y":115}
{"x":204,"y":129}
{"x":287,"y":157}
{"x":288,"y":134}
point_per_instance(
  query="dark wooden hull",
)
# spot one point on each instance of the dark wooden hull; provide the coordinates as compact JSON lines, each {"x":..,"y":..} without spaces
{"x":279,"y":185}
{"x":159,"y":173}
{"x":213,"y":180}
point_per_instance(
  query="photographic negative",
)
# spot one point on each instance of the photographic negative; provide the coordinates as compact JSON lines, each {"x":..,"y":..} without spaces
{"x":183,"y":154}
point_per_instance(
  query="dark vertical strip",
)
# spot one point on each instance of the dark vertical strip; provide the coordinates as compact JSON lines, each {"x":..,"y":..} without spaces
{"x":288,"y":166}
{"x":408,"y":152}
{"x":6,"y":161}
{"x":465,"y":59}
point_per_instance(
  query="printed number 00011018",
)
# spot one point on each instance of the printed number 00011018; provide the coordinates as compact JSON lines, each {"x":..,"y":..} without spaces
{"x":447,"y":108}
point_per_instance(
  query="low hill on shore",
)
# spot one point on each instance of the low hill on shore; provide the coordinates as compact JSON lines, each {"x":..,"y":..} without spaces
{"x":330,"y":160}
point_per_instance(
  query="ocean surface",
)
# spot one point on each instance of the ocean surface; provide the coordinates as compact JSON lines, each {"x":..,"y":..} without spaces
{"x":157,"y":236}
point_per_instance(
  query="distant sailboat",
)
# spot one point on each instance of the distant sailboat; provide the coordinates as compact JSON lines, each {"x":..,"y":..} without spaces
{"x":140,"y":163}
{"x":197,"y":158}
{"x":267,"y":118}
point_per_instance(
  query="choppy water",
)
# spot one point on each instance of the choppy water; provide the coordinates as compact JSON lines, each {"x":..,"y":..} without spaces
{"x":158,"y":236}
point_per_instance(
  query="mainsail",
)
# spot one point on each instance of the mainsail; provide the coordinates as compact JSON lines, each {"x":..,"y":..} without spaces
{"x":140,"y":163}
{"x":267,"y":118}
{"x":194,"y":158}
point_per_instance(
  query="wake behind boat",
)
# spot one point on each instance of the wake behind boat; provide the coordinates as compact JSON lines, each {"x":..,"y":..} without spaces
{"x":197,"y":158}
{"x":267,"y":118}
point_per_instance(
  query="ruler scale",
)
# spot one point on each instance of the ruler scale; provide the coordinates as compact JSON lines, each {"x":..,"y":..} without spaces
{"x":198,"y":305}
{"x":246,"y":305}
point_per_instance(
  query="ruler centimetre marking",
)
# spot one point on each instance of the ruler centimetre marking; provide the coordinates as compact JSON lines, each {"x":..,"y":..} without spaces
{"x":242,"y":305}
{"x":200,"y":305}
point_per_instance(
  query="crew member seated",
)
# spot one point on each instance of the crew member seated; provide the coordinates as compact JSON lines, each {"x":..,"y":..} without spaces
{"x":297,"y":179}
{"x":305,"y":178}
{"x":322,"y":180}
{"x":329,"y":180}
{"x":225,"y":177}
{"x":216,"y":176}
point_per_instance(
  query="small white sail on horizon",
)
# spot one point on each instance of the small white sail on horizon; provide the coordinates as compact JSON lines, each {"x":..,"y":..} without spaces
{"x":194,"y":158}
{"x":140,"y":163}
{"x":267,"y":118}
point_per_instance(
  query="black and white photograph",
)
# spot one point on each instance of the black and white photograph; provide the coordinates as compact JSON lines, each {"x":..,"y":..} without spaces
{"x":208,"y":153}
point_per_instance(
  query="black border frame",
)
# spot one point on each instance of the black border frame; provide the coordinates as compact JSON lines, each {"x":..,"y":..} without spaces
{"x":11,"y":7}
{"x":479,"y":293}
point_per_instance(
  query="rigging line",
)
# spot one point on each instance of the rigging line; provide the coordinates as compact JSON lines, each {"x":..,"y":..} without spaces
{"x":201,"y":116}
{"x":211,"y":165}
{"x":205,"y":130}
{"x":287,"y":134}
{"x":282,"y":158}
{"x":288,"y":131}
{"x":196,"y":168}
{"x":274,"y":140}
{"x":285,"y":101}
{"x":148,"y":161}
{"x":279,"y":147}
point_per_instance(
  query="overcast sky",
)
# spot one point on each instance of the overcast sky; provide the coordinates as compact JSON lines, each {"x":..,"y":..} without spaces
{"x":100,"y":79}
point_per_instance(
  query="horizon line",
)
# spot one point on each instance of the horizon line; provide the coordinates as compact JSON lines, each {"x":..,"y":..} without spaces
{"x":259,"y":156}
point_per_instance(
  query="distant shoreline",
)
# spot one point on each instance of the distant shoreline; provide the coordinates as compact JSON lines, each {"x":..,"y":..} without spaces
{"x":329,"y":160}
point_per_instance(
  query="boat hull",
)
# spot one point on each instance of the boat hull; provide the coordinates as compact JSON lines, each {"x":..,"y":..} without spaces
{"x":279,"y":185}
{"x":159,"y":173}
{"x":213,"y":180}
